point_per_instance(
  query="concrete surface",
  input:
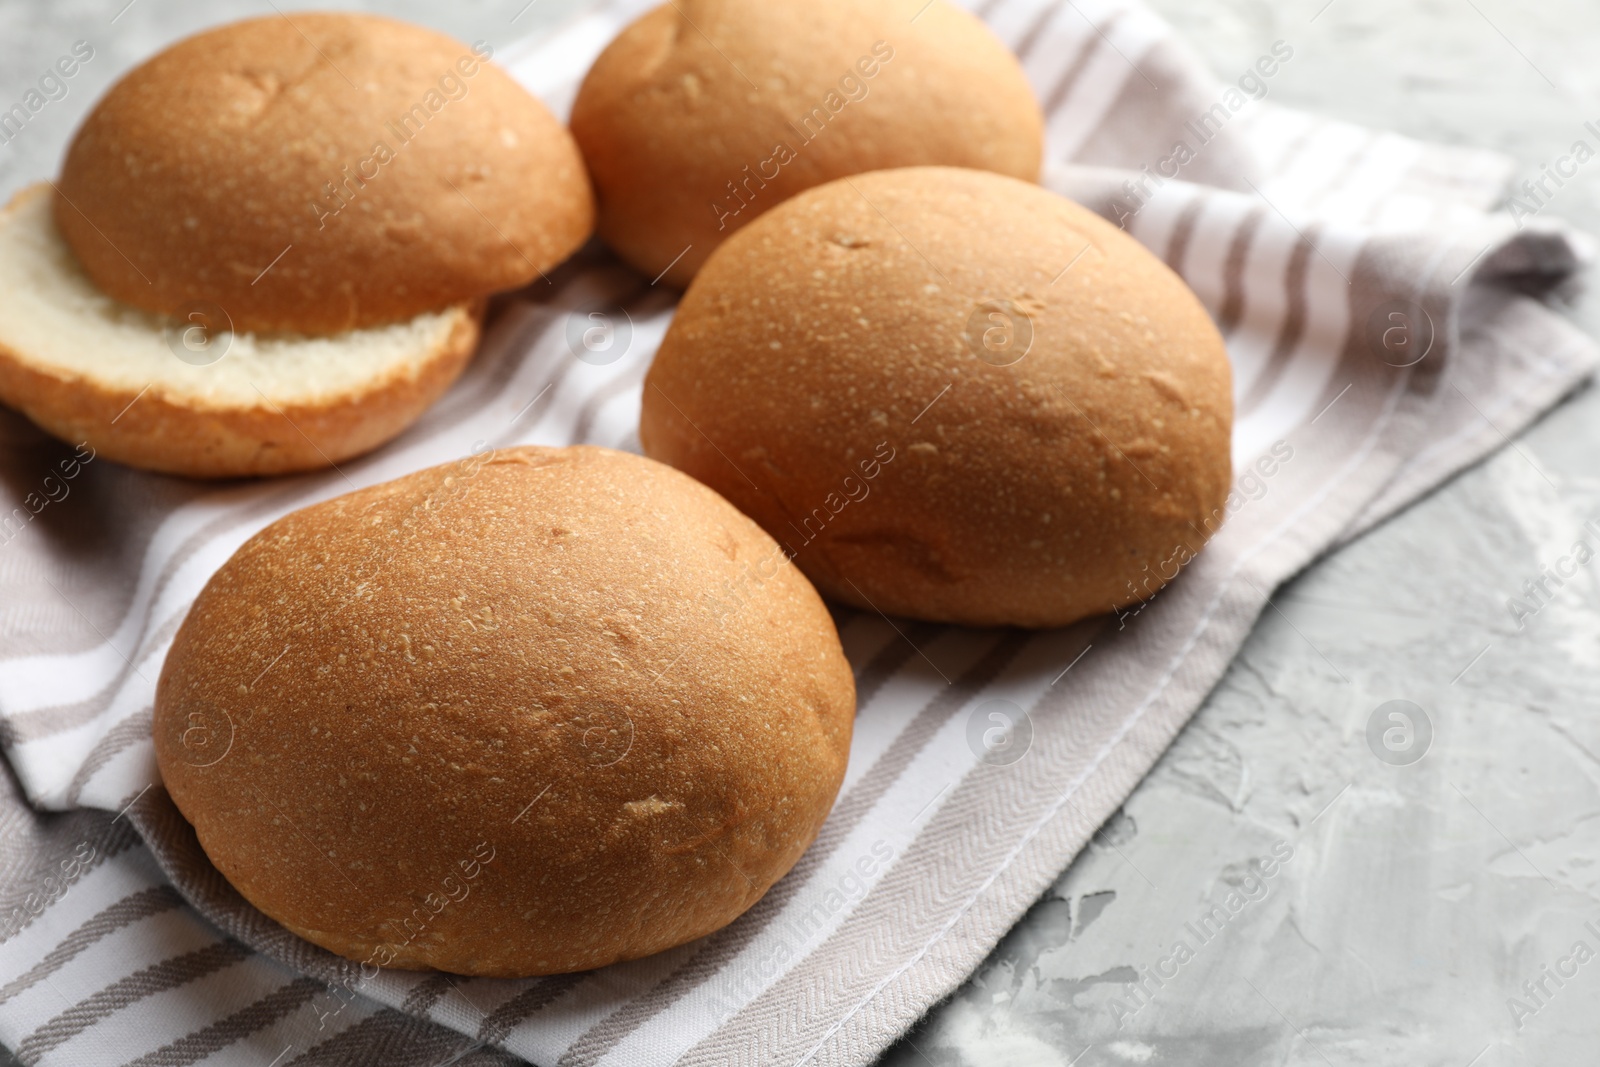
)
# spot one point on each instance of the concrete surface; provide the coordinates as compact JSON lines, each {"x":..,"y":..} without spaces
{"x":1416,"y":898}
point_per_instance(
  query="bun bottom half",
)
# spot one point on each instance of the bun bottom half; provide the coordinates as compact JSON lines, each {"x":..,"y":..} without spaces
{"x":192,"y":397}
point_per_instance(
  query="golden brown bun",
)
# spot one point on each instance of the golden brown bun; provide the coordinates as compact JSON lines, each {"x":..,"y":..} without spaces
{"x":197,"y":171}
{"x":91,"y":370}
{"x":819,"y":346}
{"x":667,"y":119}
{"x":578,"y":661}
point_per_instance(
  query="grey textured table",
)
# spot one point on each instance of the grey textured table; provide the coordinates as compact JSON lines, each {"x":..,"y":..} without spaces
{"x":1417,"y":899}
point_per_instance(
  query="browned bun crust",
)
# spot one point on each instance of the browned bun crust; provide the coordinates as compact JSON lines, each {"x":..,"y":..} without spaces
{"x":200,"y":168}
{"x":845,"y":327}
{"x":534,"y":712}
{"x":695,"y":91}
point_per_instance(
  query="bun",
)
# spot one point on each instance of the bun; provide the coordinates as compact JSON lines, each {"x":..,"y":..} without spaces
{"x":91,"y":370}
{"x":319,"y":173}
{"x":955,"y":396}
{"x":572,"y":684}
{"x":703,"y":114}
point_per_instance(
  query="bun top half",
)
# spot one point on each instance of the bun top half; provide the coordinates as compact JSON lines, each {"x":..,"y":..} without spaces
{"x":954,"y":396}
{"x":320,"y":172}
{"x":573,"y":671}
{"x":703,"y":114}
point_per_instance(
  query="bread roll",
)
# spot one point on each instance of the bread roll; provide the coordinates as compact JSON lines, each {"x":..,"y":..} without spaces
{"x":955,"y":396}
{"x":188,"y":396}
{"x":703,"y":114}
{"x":534,"y":712}
{"x":319,"y":173}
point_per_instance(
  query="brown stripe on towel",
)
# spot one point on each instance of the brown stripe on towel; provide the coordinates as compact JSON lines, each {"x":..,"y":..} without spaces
{"x":1183,"y":233}
{"x":1035,"y":32}
{"x":504,"y":1019}
{"x":125,"y":912}
{"x":156,"y":978}
{"x":130,"y":731}
{"x":51,"y":851}
{"x":1077,"y":65}
{"x":231,"y":1029}
{"x":389,"y":1038}
{"x":425,"y":994}
{"x":1293,"y":329}
{"x":1233,"y":268}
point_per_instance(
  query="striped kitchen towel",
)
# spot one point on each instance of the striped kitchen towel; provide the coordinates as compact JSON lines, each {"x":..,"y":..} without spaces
{"x":1384,"y":331}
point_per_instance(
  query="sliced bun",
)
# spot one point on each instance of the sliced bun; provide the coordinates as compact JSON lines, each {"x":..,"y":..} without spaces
{"x":89,"y":369}
{"x":216,"y":172}
{"x":534,"y":712}
{"x":703,"y":114}
{"x":956,"y":396}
